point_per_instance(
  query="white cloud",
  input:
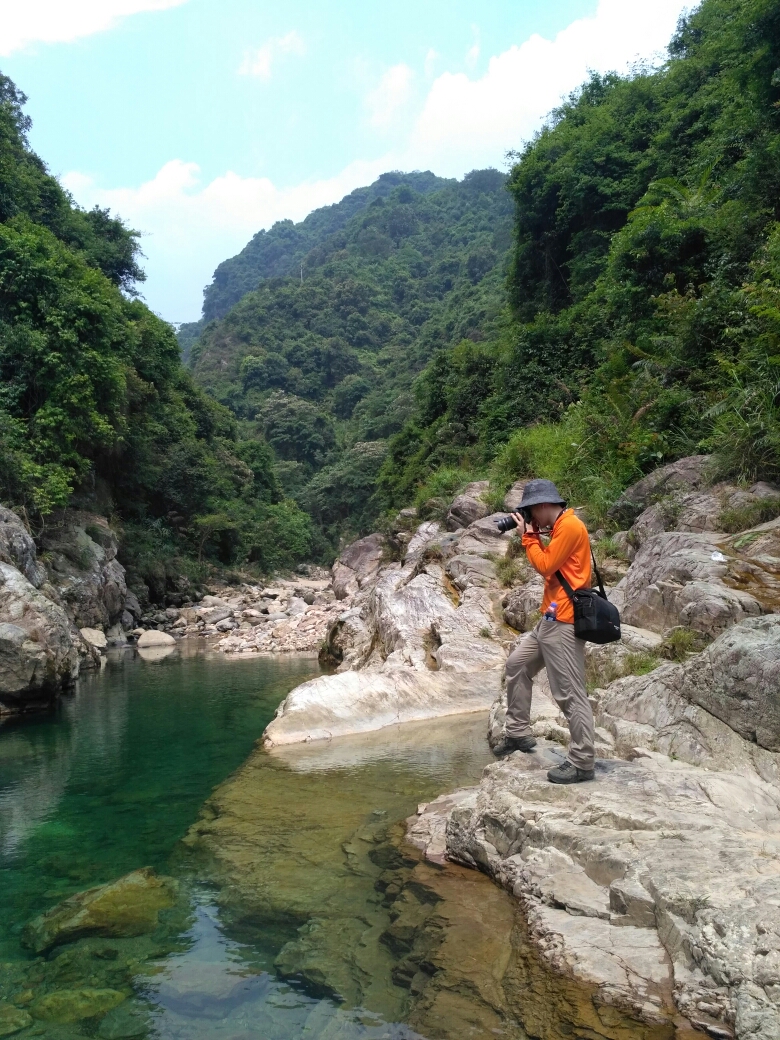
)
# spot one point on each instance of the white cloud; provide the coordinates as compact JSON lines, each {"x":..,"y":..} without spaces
{"x":463,"y":124}
{"x":467,"y":123}
{"x":430,"y":62}
{"x":260,"y":62}
{"x":25,"y":22}
{"x":391,"y":96}
{"x":191,"y":227}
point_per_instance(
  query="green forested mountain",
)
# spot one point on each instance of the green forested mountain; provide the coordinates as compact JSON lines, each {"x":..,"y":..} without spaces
{"x":322,"y":366}
{"x":95,"y":407}
{"x":644,"y":287}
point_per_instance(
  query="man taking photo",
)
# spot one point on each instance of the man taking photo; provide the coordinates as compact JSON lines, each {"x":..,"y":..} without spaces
{"x":552,"y":643}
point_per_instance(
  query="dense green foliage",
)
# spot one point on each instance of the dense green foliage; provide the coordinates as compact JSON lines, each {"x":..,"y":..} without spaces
{"x":282,"y":251}
{"x":323,"y":367}
{"x":95,"y":406}
{"x":644,"y":283}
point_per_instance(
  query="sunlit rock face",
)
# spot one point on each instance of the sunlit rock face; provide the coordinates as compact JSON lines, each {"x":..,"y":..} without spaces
{"x":655,"y":882}
{"x":421,"y":638}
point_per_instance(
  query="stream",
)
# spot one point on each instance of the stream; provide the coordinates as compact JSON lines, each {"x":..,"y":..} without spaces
{"x":301,"y":912}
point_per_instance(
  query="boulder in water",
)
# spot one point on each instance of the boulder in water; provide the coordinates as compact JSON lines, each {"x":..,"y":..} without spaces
{"x":12,"y":1019}
{"x":124,"y":908}
{"x":94,"y":637}
{"x":73,"y":1005}
{"x":154,"y":638}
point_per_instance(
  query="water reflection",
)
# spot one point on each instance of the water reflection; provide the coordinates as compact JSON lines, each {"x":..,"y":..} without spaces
{"x":36,"y":762}
{"x":220,"y":985}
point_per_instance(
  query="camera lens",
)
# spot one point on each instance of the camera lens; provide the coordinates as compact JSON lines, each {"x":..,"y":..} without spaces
{"x":506,"y":523}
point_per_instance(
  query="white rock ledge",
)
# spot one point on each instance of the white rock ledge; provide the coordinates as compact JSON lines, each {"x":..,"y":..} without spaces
{"x":658,"y":876}
{"x":359,"y":702}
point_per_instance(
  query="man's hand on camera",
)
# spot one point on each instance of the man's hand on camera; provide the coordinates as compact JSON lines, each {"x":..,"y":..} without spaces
{"x":521,"y":524}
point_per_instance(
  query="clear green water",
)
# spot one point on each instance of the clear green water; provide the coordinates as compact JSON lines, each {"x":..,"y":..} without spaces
{"x":114,"y":778}
{"x":113,"y":781}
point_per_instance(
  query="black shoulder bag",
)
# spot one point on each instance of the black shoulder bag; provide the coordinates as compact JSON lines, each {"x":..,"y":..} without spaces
{"x":596,"y":620}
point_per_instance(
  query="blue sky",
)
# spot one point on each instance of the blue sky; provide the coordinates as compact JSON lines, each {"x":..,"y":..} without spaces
{"x":201,"y":121}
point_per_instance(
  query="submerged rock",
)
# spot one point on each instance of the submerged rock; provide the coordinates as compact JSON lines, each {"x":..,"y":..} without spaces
{"x":73,"y":1005}
{"x":124,"y":908}
{"x":13,"y":1019}
{"x":125,"y":1021}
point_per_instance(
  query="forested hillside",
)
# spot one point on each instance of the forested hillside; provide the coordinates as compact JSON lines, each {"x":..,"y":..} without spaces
{"x":95,"y":407}
{"x":636,"y":320}
{"x":644,"y":287}
{"x":322,"y":365}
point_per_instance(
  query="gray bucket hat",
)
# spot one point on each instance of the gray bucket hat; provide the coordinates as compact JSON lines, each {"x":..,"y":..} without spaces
{"x":541,"y":492}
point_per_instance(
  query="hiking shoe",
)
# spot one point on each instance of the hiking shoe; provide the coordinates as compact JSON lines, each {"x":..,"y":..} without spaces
{"x":509,"y":744}
{"x":566,"y":773}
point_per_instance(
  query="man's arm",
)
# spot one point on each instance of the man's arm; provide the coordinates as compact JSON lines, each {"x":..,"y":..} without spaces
{"x":547,"y":560}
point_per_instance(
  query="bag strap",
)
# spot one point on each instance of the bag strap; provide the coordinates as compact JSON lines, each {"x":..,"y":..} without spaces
{"x":598,"y":575}
{"x":567,"y":587}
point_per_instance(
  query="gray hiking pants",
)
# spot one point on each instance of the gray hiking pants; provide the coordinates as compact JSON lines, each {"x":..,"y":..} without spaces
{"x":551,"y":645}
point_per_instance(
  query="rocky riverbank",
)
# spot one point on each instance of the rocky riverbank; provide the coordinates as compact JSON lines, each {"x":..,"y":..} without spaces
{"x":661,"y":877}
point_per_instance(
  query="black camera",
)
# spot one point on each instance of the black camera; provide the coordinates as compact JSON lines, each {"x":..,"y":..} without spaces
{"x":506,"y":523}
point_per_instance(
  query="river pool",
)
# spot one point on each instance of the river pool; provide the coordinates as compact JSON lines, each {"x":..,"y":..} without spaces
{"x":293,"y":879}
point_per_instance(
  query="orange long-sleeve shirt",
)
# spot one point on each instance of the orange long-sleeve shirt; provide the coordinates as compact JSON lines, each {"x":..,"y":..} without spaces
{"x":568,"y":552}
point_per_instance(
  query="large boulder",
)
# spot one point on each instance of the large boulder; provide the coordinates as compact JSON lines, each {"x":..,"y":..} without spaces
{"x":124,"y":908}
{"x":81,"y":560}
{"x":718,"y":709}
{"x":17,"y":548}
{"x":697,"y":512}
{"x":152,"y":638}
{"x":415,"y":649}
{"x":484,"y":538}
{"x":358,"y":565}
{"x":514,"y":496}
{"x":39,"y":648}
{"x":371,"y":699}
{"x":468,"y":506}
{"x":521,"y":604}
{"x":685,"y":474}
{"x":681,"y":579}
